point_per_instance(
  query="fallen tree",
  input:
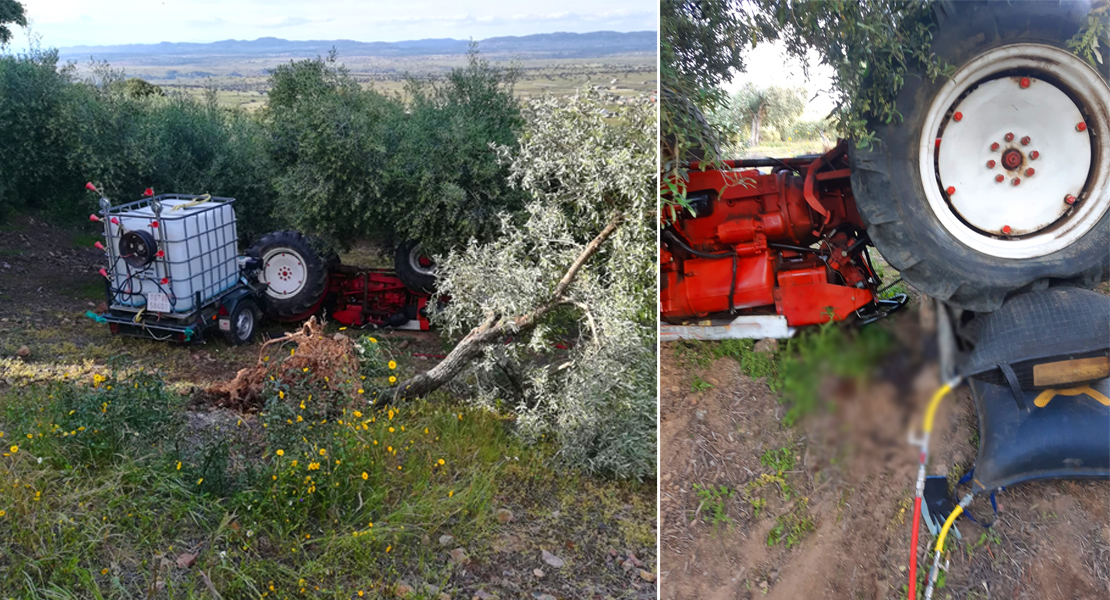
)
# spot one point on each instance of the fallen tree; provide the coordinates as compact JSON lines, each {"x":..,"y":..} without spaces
{"x":556,"y":315}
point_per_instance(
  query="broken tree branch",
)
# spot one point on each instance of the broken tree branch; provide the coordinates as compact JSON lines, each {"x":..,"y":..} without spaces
{"x":496,"y":326}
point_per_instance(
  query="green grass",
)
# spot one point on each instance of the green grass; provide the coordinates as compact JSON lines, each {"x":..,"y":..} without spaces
{"x":801,"y":365}
{"x":793,"y":526}
{"x":700,"y":384}
{"x":715,"y":499}
{"x":817,"y":353}
{"x":316,"y":496}
{"x":780,"y":459}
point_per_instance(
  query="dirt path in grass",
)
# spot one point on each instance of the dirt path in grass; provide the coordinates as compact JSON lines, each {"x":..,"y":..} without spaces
{"x":852,"y":482}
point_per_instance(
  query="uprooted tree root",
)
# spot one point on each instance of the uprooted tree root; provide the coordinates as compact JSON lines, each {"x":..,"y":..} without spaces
{"x":314,"y":358}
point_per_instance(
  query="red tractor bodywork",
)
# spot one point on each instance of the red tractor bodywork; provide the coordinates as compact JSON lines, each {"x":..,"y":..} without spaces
{"x":789,"y":242}
{"x":377,"y":297}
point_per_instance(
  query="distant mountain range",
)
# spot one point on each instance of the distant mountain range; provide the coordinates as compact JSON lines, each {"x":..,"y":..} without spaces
{"x":544,"y":45}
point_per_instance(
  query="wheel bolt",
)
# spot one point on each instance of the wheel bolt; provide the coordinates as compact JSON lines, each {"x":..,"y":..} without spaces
{"x":999,"y":178}
{"x":1029,"y":172}
{"x":990,"y":164}
{"x":951,"y":190}
{"x":1081,"y":127}
{"x":1009,"y":137}
{"x":1069,"y":199}
{"x":1006,"y":229}
{"x":1034,"y":155}
{"x":959,"y":116}
{"x":1016,"y":181}
{"x":1024,"y":82}
{"x":994,"y":146}
{"x":1025,"y":141}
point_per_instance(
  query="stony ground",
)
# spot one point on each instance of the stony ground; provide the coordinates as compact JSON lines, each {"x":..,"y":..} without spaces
{"x":561,"y":535}
{"x":843,"y":530}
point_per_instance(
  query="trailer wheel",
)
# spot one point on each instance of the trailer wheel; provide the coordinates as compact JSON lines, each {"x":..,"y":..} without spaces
{"x":416,"y":270}
{"x":295,"y":275}
{"x":244,"y":320}
{"x":997,"y":177}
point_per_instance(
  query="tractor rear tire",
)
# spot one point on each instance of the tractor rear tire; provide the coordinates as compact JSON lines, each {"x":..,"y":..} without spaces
{"x":294,"y":273}
{"x":941,"y":204}
{"x":416,"y":271}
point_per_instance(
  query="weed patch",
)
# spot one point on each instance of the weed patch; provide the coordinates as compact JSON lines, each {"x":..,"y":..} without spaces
{"x":793,"y":526}
{"x":827,"y":351}
{"x":715,"y":500}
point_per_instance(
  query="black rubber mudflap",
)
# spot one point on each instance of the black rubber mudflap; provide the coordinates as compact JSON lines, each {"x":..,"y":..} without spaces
{"x":1031,"y":432}
{"x":1069,"y":437}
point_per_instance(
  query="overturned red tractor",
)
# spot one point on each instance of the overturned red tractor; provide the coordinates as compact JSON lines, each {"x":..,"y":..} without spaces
{"x":787,"y":244}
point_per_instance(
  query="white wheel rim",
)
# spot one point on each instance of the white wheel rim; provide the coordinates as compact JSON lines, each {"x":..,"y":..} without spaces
{"x":245,"y":324}
{"x":414,"y":262}
{"x":283,"y":272}
{"x":1018,"y":89}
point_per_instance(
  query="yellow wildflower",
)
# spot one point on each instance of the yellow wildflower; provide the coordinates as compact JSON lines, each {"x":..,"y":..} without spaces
{"x":357,"y":414}
{"x":200,"y":481}
{"x":365,"y":475}
{"x":281,"y":394}
{"x":442,"y":462}
{"x":323,"y":452}
{"x":280,"y":453}
{"x":179,"y":465}
{"x":373,"y":340}
{"x":14,"y":449}
{"x":392,"y":379}
{"x":392,"y":364}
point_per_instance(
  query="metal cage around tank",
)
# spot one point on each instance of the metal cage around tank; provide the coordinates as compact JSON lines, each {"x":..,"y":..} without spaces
{"x":210,"y":272}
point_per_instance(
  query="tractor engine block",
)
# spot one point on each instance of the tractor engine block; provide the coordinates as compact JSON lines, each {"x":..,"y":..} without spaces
{"x":789,"y":242}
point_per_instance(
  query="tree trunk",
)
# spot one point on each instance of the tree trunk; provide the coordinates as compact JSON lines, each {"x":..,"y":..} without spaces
{"x":757,"y":120}
{"x":496,"y":327}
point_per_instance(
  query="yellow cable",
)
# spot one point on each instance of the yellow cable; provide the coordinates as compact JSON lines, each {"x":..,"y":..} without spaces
{"x":947,"y":524}
{"x":933,"y":404}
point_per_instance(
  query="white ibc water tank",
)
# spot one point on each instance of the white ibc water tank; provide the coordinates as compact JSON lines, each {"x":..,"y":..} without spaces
{"x":199,"y":245}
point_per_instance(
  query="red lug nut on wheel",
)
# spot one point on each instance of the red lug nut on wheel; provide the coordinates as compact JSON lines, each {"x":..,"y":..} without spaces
{"x":1000,"y":178}
{"x":959,"y":116}
{"x":1029,"y":172}
{"x":1006,"y":229}
{"x":994,"y":146}
{"x":1009,"y":137}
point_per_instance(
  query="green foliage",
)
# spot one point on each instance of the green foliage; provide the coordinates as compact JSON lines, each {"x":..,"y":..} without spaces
{"x":11,"y":13}
{"x":715,"y":499}
{"x":792,"y":527}
{"x":95,"y":426}
{"x":111,"y":477}
{"x":751,"y":110}
{"x":1093,"y":34}
{"x":780,"y":460}
{"x":589,"y":363}
{"x":701,"y":44}
{"x":356,"y":163}
{"x":830,"y":350}
{"x":700,"y":384}
{"x":57,"y":132}
{"x":752,"y":363}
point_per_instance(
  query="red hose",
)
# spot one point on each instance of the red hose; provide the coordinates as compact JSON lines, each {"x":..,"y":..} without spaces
{"x":913,"y":548}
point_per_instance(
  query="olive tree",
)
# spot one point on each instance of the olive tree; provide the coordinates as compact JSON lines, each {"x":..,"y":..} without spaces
{"x":559,"y":309}
{"x":11,"y":13}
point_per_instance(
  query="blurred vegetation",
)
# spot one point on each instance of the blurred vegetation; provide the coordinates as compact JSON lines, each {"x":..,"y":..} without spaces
{"x":326,"y":155}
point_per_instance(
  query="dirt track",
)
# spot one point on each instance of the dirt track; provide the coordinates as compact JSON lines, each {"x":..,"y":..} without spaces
{"x":856,"y":471}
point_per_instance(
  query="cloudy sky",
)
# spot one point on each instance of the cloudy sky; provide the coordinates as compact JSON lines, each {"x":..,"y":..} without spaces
{"x":60,"y":23}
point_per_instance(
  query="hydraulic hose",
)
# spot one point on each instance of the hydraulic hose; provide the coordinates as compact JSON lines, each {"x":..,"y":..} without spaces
{"x":919,"y":493}
{"x":933,"y":572}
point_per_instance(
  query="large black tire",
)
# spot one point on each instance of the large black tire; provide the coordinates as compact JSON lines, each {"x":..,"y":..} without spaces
{"x":417,"y":277}
{"x":305,"y":293}
{"x":889,"y":190}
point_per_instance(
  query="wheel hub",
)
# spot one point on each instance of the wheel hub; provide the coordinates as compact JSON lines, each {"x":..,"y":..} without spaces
{"x":987,"y":156}
{"x":1012,"y":159}
{"x":284,"y":273}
